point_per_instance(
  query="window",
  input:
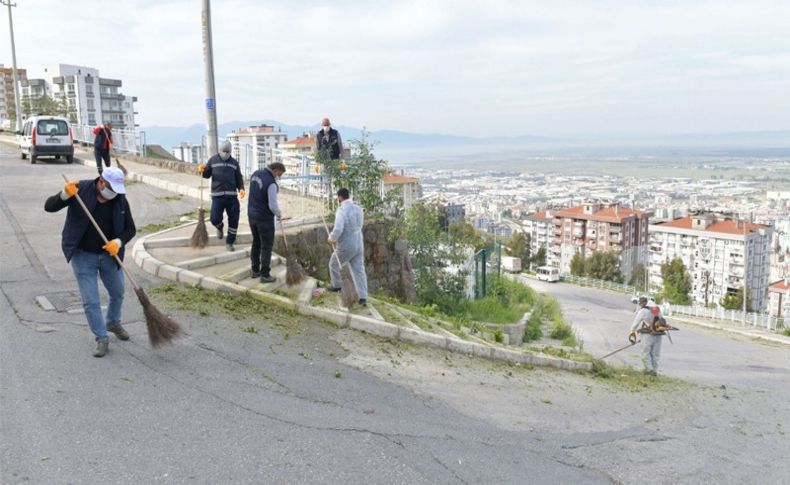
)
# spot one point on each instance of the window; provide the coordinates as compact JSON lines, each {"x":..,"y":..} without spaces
{"x":52,"y":128}
{"x":90,"y":104}
{"x":71,"y":87}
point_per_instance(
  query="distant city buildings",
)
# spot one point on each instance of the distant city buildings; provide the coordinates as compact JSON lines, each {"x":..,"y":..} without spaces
{"x":89,"y":98}
{"x":408,"y":188}
{"x":712,"y":249}
{"x":593,"y":227}
{"x":7,"y":100}
{"x":779,"y":299}
{"x":254,"y":146}
{"x":539,"y":226}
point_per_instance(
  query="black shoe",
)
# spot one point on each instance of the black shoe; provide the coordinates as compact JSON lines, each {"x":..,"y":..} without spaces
{"x":255,"y":274}
{"x":333,"y":289}
{"x":118,"y":330}
{"x":363,"y":302}
{"x":268,"y":279}
{"x":220,"y":234}
{"x":230,"y":247}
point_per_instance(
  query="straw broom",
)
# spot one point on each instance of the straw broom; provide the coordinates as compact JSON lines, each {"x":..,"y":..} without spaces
{"x":348,"y":287}
{"x":294,"y":273}
{"x":200,"y":236}
{"x":161,"y":328}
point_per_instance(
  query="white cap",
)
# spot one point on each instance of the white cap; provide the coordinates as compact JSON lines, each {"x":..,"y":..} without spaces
{"x":114,"y":176}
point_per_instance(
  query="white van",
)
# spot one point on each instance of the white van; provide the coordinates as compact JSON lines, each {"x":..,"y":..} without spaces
{"x":46,"y":136}
{"x":547,"y":273}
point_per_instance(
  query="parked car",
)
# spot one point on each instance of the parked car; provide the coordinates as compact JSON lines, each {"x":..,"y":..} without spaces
{"x":46,"y":136}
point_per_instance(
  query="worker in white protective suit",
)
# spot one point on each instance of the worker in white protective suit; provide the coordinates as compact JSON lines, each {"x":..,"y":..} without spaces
{"x":346,"y":238}
{"x":651,"y":324}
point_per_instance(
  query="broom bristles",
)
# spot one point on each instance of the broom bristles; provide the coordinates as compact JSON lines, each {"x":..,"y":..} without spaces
{"x":200,"y":236}
{"x":161,"y":328}
{"x":294,"y":273}
{"x":348,"y":291}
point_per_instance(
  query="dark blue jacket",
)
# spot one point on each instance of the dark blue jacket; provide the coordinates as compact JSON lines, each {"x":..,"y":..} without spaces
{"x":77,"y":223}
{"x":258,"y":206}
{"x":329,"y":141}
{"x":225,"y":176}
{"x":100,"y":141}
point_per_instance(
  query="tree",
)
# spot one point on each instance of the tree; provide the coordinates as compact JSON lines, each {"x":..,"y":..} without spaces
{"x":465,"y":234}
{"x":519,"y":247}
{"x":362,"y":175}
{"x":603,"y":265}
{"x":46,"y":105}
{"x":639,"y":277}
{"x":539,"y":258}
{"x":677,"y":282}
{"x":734,"y":301}
{"x":577,"y":265}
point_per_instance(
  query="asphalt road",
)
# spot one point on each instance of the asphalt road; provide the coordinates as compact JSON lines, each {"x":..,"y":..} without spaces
{"x":603,"y":318}
{"x":220,"y":406}
{"x":226,"y":406}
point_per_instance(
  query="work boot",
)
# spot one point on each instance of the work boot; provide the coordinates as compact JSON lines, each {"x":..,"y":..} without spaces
{"x":230,"y":247}
{"x":220,"y":234}
{"x":118,"y":330}
{"x":255,"y":274}
{"x":268,"y":279}
{"x":333,"y":289}
{"x":101,"y":347}
{"x":363,"y":302}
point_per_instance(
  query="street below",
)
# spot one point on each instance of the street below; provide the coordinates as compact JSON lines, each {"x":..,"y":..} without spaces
{"x":300,"y":401}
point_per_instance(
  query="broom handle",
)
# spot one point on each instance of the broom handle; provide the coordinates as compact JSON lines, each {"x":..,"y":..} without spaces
{"x":339,"y":263}
{"x":104,"y":238}
{"x":201,"y":190}
{"x":285,"y":240}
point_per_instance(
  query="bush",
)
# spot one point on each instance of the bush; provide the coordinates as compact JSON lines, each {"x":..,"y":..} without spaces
{"x":602,"y":369}
{"x":532,"y":331}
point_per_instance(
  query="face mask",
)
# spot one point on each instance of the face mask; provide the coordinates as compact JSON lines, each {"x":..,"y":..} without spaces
{"x":224,"y":155}
{"x":326,"y":128}
{"x":107,"y":193}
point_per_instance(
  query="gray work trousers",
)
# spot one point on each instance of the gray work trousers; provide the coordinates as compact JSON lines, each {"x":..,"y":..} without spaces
{"x":651,"y":351}
{"x":356,"y":263}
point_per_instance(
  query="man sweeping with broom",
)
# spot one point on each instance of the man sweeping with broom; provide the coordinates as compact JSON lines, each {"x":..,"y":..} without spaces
{"x":262,"y":210}
{"x":90,"y":257}
{"x":348,"y":244}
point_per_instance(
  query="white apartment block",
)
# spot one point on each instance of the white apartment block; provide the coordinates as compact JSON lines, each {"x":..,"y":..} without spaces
{"x":255,"y":147}
{"x":189,"y":153}
{"x":408,"y":188}
{"x":712,"y":249}
{"x":540,"y":228}
{"x":93,"y":99}
{"x":593,"y":227}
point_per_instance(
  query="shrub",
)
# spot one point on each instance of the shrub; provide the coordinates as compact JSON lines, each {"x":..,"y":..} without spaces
{"x":532,"y":330}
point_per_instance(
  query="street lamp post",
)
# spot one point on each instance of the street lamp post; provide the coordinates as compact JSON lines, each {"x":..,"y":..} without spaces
{"x":208,"y":65}
{"x":13,"y":62}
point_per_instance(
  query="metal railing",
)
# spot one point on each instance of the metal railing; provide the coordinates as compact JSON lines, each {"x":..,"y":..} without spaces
{"x":300,"y":173}
{"x":594,"y":283}
{"x":127,"y":141}
{"x":756,"y":320}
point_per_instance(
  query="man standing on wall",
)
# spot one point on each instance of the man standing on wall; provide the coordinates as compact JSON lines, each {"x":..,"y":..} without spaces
{"x":329,"y":139}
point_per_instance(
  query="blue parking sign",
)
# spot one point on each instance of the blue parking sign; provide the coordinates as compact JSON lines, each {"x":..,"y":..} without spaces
{"x":209,"y":103}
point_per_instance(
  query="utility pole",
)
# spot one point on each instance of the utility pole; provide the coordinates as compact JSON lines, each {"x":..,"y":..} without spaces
{"x":13,"y":67}
{"x":208,"y":65}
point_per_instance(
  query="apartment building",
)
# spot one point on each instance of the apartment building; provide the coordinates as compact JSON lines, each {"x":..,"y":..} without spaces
{"x":90,"y":98}
{"x":7,"y":101}
{"x":779,"y":300}
{"x":408,"y":188}
{"x":721,"y":254}
{"x":257,"y":146}
{"x":593,"y":227}
{"x":540,"y":228}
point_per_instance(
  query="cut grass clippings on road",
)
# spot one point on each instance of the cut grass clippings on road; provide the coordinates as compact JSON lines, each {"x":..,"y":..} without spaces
{"x":156,"y":227}
{"x":633,"y":380}
{"x":209,"y":302}
{"x":168,"y":198}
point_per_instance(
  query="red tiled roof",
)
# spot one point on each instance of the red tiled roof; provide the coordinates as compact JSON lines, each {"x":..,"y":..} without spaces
{"x":538,"y":216}
{"x":606,"y":214}
{"x":392,"y":178}
{"x":726,"y":226}
{"x":780,"y":286}
{"x":300,"y":141}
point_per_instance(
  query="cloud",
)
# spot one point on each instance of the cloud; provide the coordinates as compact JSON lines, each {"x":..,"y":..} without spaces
{"x":469,"y":67}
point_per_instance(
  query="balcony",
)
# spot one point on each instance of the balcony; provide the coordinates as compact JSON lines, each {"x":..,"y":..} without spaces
{"x":578,"y":233}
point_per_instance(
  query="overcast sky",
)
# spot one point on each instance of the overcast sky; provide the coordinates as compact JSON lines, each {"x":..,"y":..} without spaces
{"x":494,"y":67}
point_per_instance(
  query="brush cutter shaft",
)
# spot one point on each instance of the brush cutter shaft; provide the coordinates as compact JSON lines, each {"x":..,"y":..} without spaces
{"x":620,"y":349}
{"x":104,"y":238}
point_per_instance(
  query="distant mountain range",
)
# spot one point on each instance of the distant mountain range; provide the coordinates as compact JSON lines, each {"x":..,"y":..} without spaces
{"x":772,"y":142}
